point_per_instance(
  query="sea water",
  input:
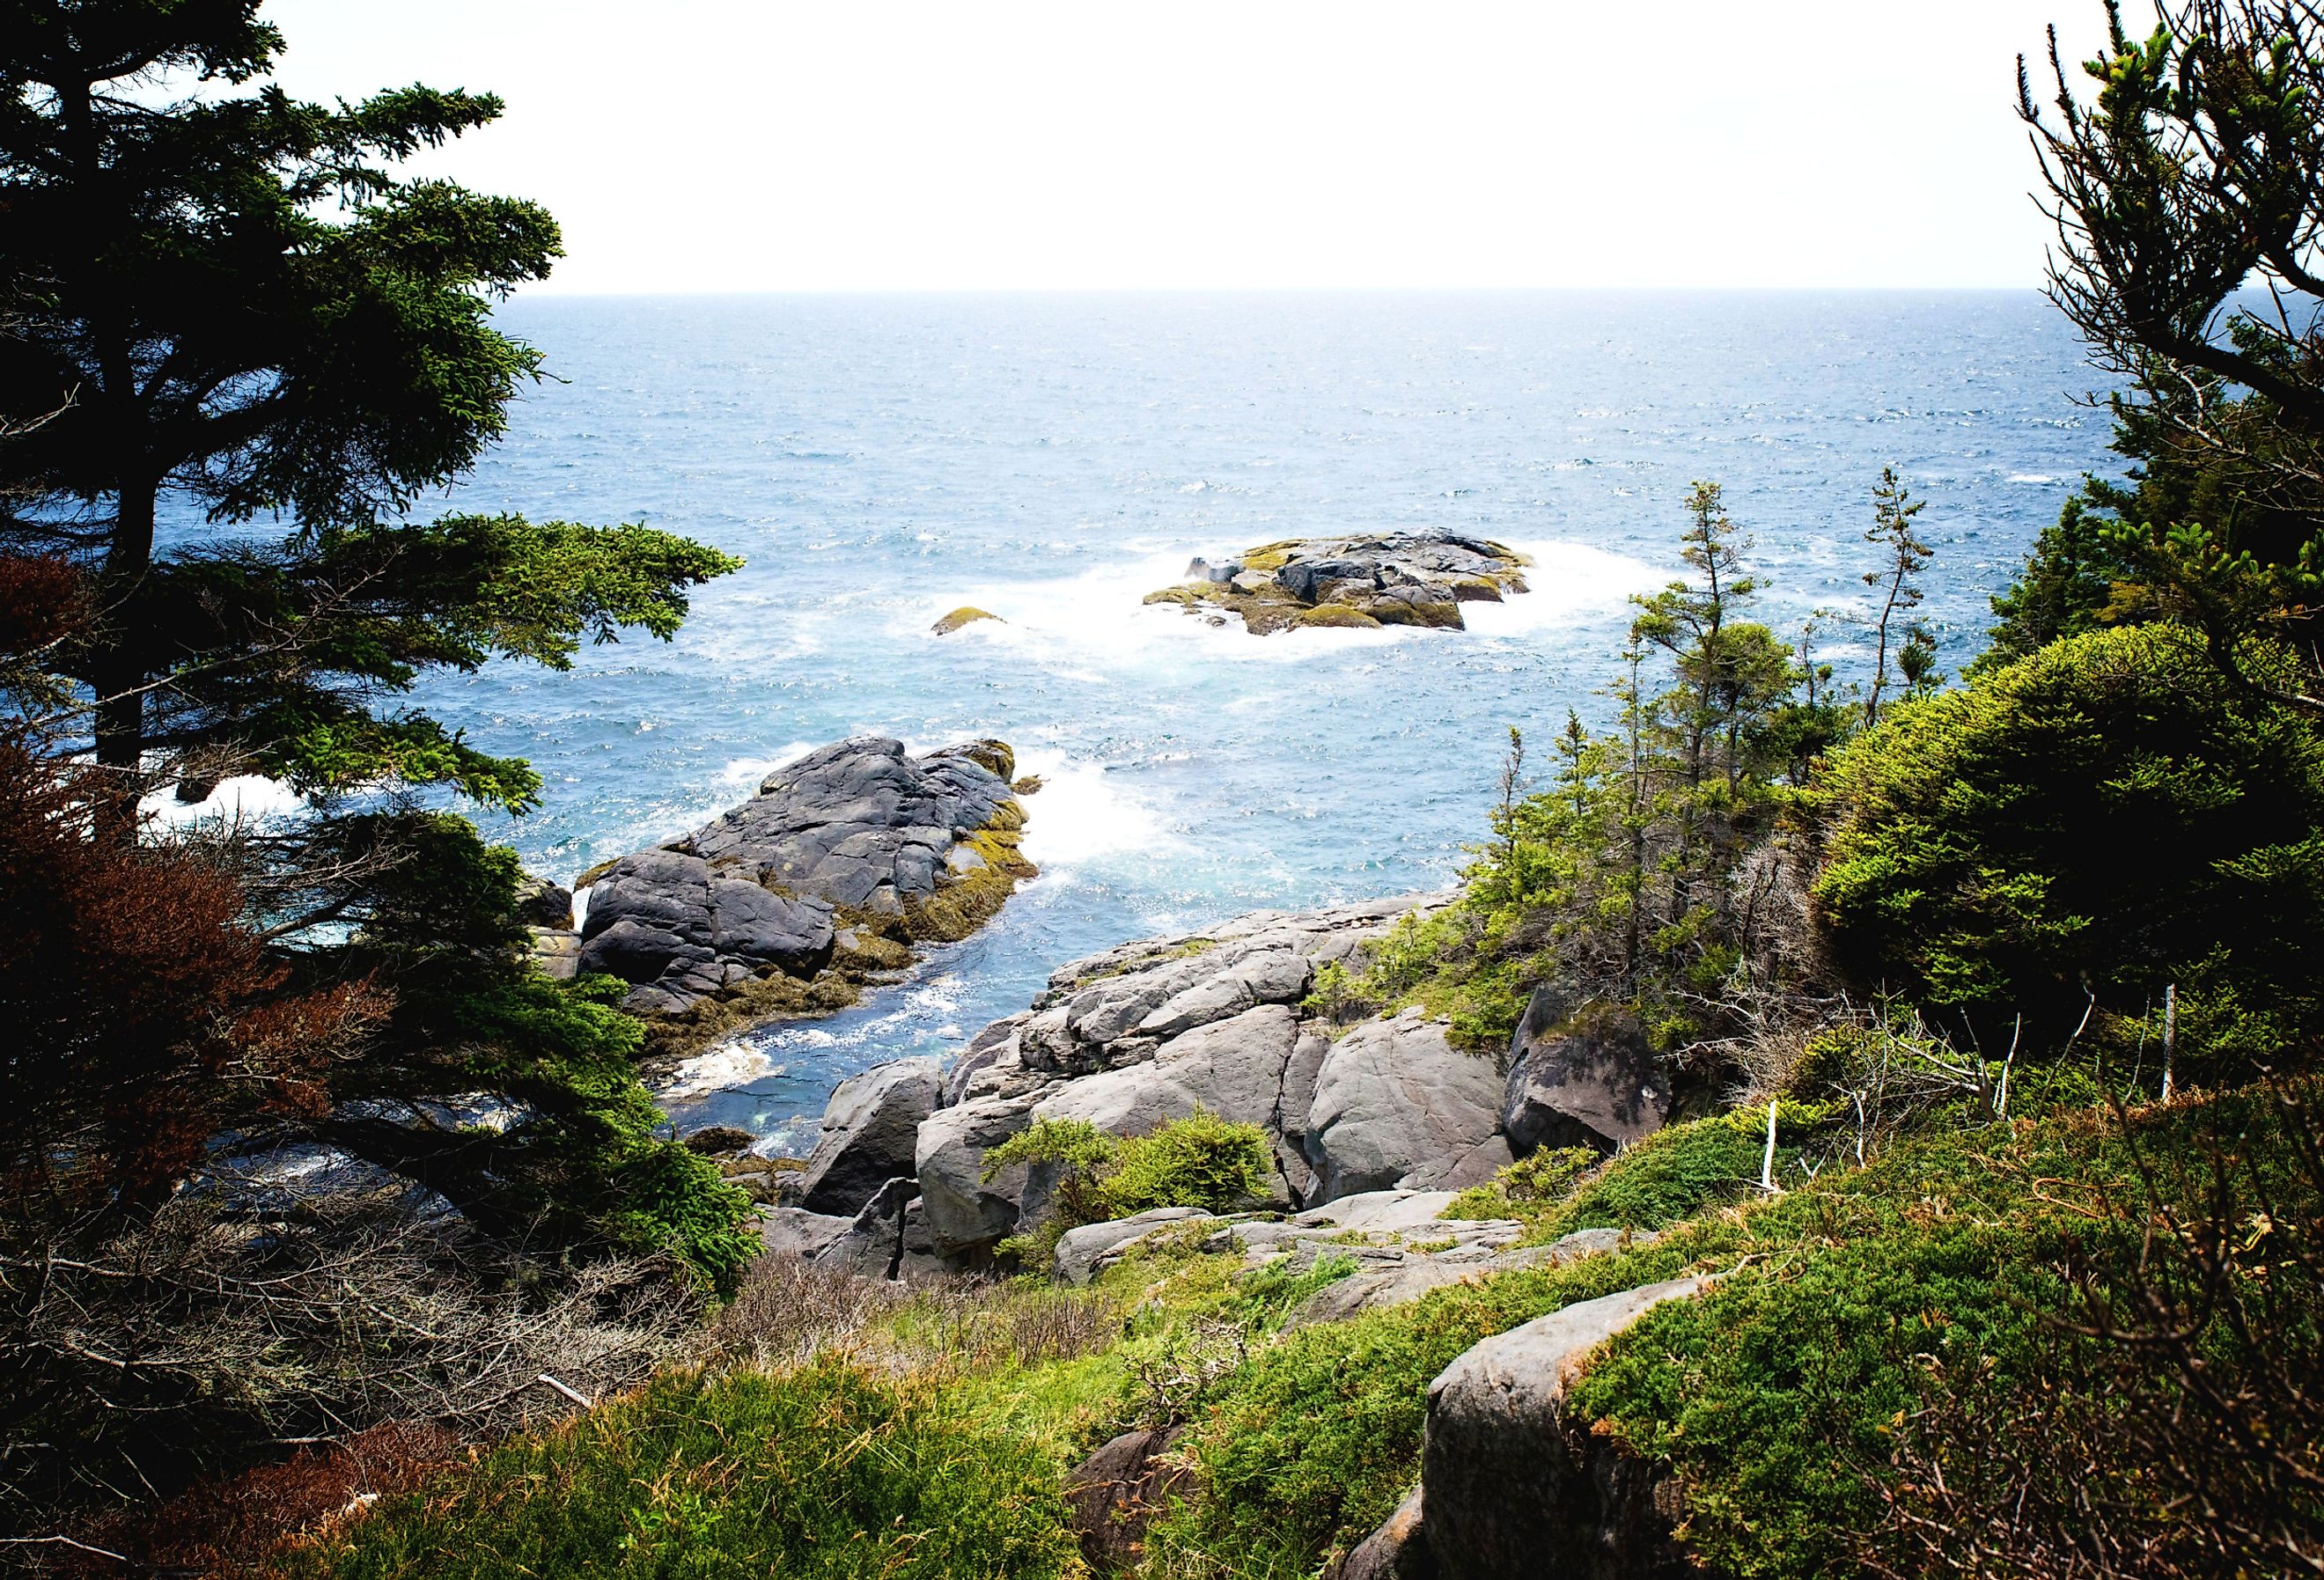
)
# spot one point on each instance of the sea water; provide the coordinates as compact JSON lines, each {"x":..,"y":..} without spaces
{"x":882,"y":460}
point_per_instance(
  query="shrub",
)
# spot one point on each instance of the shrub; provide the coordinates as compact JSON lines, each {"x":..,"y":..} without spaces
{"x":2103,"y":818}
{"x":826,"y":1472}
{"x":1199,"y":1161}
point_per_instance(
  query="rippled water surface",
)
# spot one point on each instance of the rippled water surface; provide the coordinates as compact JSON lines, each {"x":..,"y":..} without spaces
{"x":882,"y":460}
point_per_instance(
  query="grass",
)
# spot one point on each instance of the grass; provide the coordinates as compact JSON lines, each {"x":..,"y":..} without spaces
{"x":828,"y":1471}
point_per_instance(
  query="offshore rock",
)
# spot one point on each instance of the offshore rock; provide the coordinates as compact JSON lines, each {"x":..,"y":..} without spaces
{"x":842,"y":861}
{"x":1370,"y":579}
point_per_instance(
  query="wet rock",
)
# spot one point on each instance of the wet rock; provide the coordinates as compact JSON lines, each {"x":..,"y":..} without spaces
{"x":856,"y":838}
{"x":1392,"y":1095}
{"x":871,"y":1129}
{"x":718,"y":1140}
{"x":544,"y":904}
{"x":1583,"y":1079}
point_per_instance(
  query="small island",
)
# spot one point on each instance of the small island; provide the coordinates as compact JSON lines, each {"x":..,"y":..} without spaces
{"x":1363,"y":581}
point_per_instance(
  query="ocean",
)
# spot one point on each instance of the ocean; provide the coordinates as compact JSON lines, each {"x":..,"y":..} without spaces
{"x":880,"y":460}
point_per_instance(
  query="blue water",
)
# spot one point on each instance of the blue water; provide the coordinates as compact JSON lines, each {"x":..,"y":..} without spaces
{"x":882,"y":460}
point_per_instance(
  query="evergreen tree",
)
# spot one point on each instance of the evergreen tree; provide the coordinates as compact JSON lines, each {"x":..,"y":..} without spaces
{"x":220,"y":305}
{"x":235,"y":306}
{"x":1896,"y":584}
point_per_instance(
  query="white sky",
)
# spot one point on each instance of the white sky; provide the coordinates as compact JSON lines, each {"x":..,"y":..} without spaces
{"x":872,"y":145}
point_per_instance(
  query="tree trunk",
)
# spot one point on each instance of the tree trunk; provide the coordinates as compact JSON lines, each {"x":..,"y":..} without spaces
{"x":118,"y":670}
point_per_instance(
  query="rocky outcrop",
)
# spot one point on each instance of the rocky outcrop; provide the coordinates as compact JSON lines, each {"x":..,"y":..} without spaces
{"x":843,"y":861}
{"x":870,"y":1128}
{"x":1392,"y":1098}
{"x":1371,"y":579}
{"x":1585,"y":1079}
{"x":1510,"y":1486}
{"x":1135,"y":1037}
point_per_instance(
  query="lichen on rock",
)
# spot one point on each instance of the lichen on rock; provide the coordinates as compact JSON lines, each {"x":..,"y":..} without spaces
{"x":1356,"y":582}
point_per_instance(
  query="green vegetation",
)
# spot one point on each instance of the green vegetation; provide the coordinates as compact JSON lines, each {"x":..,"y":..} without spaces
{"x":2098,"y":821}
{"x":226,"y":304}
{"x":1199,"y":1161}
{"x":701,"y":1475}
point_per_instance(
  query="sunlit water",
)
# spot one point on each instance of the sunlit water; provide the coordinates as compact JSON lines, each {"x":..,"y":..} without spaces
{"x":882,"y":460}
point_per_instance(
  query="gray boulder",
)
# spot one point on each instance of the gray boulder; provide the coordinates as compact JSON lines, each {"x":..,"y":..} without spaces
{"x":871,"y":1129}
{"x":1391,"y":1096}
{"x":966,"y":1214}
{"x":1511,"y":1486}
{"x":1233,"y":1067}
{"x":1081,"y":1252}
{"x":680,"y":931}
{"x":794,"y":1231}
{"x":1588,"y":1079}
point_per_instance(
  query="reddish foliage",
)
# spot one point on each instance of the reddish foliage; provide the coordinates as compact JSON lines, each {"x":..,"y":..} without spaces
{"x":41,"y":598}
{"x":143,"y":1014}
{"x":231,"y":1527}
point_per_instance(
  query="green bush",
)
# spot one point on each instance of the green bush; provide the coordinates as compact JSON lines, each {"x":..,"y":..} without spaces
{"x":2107,"y":815}
{"x":826,"y":1472}
{"x":1199,"y":1161}
{"x":1786,"y":1397}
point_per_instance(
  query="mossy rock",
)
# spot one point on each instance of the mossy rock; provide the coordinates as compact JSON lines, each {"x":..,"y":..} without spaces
{"x":595,"y":873}
{"x":1338,"y":614}
{"x":965,"y":901}
{"x":1478,"y":589}
{"x":1028,"y":786}
{"x":1186,"y":597}
{"x":772,"y":997}
{"x":966,"y":614}
{"x":997,"y":758}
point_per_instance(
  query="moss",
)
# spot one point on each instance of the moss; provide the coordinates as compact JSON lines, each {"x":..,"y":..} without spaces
{"x":1269,"y":558}
{"x":1337,"y":614}
{"x":998,"y":758}
{"x":1028,"y":786}
{"x":964,"y":901}
{"x":772,"y":997}
{"x":1442,"y":616}
{"x":1188,"y":598}
{"x":966,"y":614}
{"x":595,"y":873}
